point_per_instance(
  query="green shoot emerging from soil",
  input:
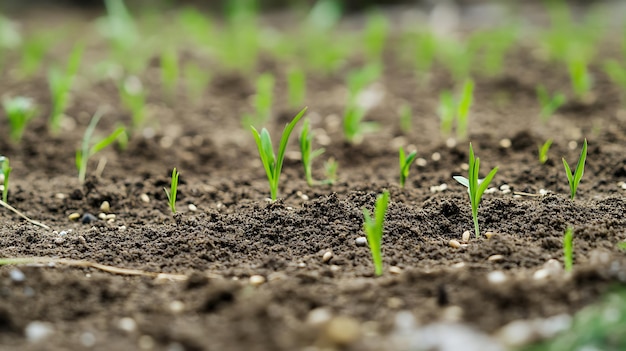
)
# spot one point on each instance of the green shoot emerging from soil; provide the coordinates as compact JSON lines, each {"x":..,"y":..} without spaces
{"x":617,"y":74}
{"x":5,"y":170}
{"x":549,"y":104}
{"x":87,"y":150}
{"x":476,"y":187}
{"x":308,"y":154}
{"x":273,"y":164}
{"x":263,"y":101}
{"x":19,"y":110}
{"x":406,"y":118}
{"x":330,"y":171}
{"x":543,"y":151}
{"x":465,"y":103}
{"x":169,"y":72}
{"x":568,"y":249}
{"x":373,"y":228}
{"x":405,"y":164}
{"x":60,"y":84}
{"x":622,"y":245}
{"x":579,"y":76}
{"x":296,"y":87}
{"x":574,"y":178}
{"x":353,"y":125}
{"x":171,"y":194}
{"x":133,"y":98}
{"x":451,"y":109}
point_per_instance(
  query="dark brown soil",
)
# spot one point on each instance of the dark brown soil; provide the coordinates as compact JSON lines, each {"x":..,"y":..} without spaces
{"x":235,"y":233}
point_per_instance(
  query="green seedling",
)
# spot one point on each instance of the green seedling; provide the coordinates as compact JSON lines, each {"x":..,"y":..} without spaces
{"x":197,"y":26}
{"x":133,"y":98}
{"x":87,"y":150}
{"x":465,"y":103}
{"x":33,"y":51}
{"x":273,"y":164}
{"x":406,"y":118}
{"x":119,"y":28}
{"x":197,"y":80}
{"x":405,"y":164}
{"x":543,"y":151}
{"x":375,"y":36}
{"x":574,"y":178}
{"x":493,"y":46}
{"x":354,"y":128}
{"x":263,"y":101}
{"x":308,"y":154}
{"x":316,"y":31}
{"x":171,"y":194}
{"x":447,"y":112}
{"x":373,"y":228}
{"x":579,"y":76}
{"x":169,"y":72}
{"x":617,"y":74}
{"x":622,"y":245}
{"x":6,"y":172}
{"x":476,"y":187}
{"x":425,"y":52}
{"x":549,"y":103}
{"x":357,"y":80}
{"x":240,"y":44}
{"x":330,"y":171}
{"x":296,"y":87}
{"x":60,"y":84}
{"x":568,"y":249}
{"x":457,"y":57}
{"x":20,"y":111}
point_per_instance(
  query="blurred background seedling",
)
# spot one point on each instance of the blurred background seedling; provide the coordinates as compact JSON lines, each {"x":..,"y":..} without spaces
{"x":20,"y":111}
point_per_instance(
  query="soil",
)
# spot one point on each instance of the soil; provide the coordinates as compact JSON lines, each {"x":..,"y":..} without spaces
{"x":234,"y":233}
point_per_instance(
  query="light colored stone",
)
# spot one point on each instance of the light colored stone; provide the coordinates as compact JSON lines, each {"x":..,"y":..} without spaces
{"x":361,"y":241}
{"x":489,"y":235}
{"x":343,"y":331}
{"x":496,"y":277}
{"x":176,"y":306}
{"x":192,"y":208}
{"x":328,"y":255}
{"x":395,"y":270}
{"x":466,"y":236}
{"x":505,"y":143}
{"x":74,"y":216}
{"x":495,"y":258}
{"x":102,"y":215}
{"x":105,"y":207}
{"x":144,"y":198}
{"x":127,"y":324}
{"x":454,"y":243}
{"x":38,"y":331}
{"x":319,"y":316}
{"x":257,"y":280}
{"x":435,"y":156}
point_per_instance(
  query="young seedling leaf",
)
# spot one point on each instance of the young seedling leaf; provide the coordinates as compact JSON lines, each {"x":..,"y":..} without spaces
{"x":573,"y":178}
{"x":373,"y":227}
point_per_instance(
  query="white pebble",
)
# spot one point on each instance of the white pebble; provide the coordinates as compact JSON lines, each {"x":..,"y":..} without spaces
{"x":327,"y":256}
{"x":87,"y":339}
{"x":192,"y":208}
{"x":435,"y":156}
{"x":505,"y":143}
{"x":319,"y":316}
{"x":464,"y":166}
{"x":257,"y":280}
{"x":395,"y":270}
{"x":454,"y":243}
{"x":127,"y":324}
{"x":105,"y":207}
{"x":17,"y":275}
{"x":504,"y":187}
{"x":176,"y":306}
{"x":494,"y":258}
{"x":361,"y":241}
{"x":37,"y":331}
{"x":491,"y":190}
{"x":496,"y":277}
{"x":144,"y":198}
{"x":624,"y":186}
{"x":507,"y":191}
{"x":421,"y":162}
{"x":466,"y":236}
{"x":450,"y":143}
{"x":572,"y":145}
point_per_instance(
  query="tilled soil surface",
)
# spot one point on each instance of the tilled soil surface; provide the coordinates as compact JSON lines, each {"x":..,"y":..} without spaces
{"x":235,"y":233}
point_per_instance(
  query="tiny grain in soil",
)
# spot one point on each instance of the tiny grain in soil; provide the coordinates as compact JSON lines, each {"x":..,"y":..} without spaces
{"x":257,"y":275}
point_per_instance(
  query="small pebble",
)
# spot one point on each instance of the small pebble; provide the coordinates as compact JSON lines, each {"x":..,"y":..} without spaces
{"x":361,"y":241}
{"x":60,"y":196}
{"x":504,"y":187}
{"x":105,"y":207}
{"x":450,"y":143}
{"x":466,"y":236}
{"x":257,"y":280}
{"x":505,"y":143}
{"x":464,"y":166}
{"x":488,"y":235}
{"x":496,"y":277}
{"x":623,"y":186}
{"x":144,"y":198}
{"x":454,"y":243}
{"x":102,"y":215}
{"x":319,"y":316}
{"x":110,"y":216}
{"x":543,"y":192}
{"x":17,"y":275}
{"x":192,"y":208}
{"x":37,"y":331}
{"x":395,"y":270}
{"x":459,"y":265}
{"x":436,"y":156}
{"x":127,"y":324}
{"x":327,"y":256}
{"x":572,"y":145}
{"x":87,"y":339}
{"x":343,"y":331}
{"x":88,"y":218}
{"x":176,"y":306}
{"x":421,"y":162}
{"x":495,"y":258}
{"x":74,"y":216}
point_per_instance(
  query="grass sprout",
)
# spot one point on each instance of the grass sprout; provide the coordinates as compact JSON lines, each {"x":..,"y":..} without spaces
{"x":580,"y":77}
{"x":272,"y":163}
{"x":171,"y":194}
{"x":354,"y":128}
{"x":296,"y":87}
{"x":568,"y":249}
{"x":330,"y":171}
{"x":406,"y":117}
{"x":263,"y":101}
{"x":373,"y":227}
{"x":133,"y":98}
{"x":543,"y":151}
{"x":476,"y":187}
{"x":447,"y":112}
{"x":358,"y":79}
{"x":60,"y":84}
{"x":5,"y":170}
{"x":375,"y":35}
{"x":308,"y":154}
{"x":20,"y":111}
{"x":465,"y":103}
{"x":453,"y":110}
{"x":87,"y":150}
{"x":405,"y":164}
{"x":574,"y":178}
{"x":549,"y":103}
{"x":169,"y":71}
{"x":617,"y":74}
